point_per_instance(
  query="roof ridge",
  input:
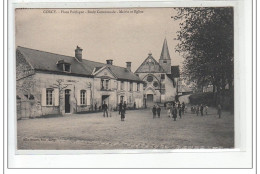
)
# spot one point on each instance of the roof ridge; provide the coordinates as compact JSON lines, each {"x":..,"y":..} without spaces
{"x":149,"y":56}
{"x":69,"y":56}
{"x":45,"y":51}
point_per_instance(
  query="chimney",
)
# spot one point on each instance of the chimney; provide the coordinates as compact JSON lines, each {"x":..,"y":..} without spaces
{"x":128,"y":66}
{"x":110,"y":62}
{"x":78,"y":53}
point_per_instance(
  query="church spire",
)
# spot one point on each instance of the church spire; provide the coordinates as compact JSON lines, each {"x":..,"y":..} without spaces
{"x":165,"y":52}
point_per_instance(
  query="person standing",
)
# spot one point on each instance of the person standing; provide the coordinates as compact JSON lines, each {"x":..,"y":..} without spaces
{"x":180,"y":111}
{"x":104,"y":107}
{"x":197,"y":110}
{"x":154,"y":111}
{"x":169,"y":110}
{"x":120,"y":107}
{"x":123,"y":111}
{"x":206,"y":110}
{"x":174,"y":113}
{"x":95,"y":106}
{"x":201,"y":109}
{"x":124,"y":105}
{"x":122,"y":114}
{"x":219,"y":111}
{"x":134,"y":105}
{"x":158,"y":111}
{"x":183,"y":107}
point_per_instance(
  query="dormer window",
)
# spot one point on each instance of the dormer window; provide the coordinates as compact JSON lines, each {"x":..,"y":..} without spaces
{"x":64,"y":66}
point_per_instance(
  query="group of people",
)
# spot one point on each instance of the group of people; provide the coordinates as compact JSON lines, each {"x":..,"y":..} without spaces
{"x":173,"y":110}
{"x":122,"y":110}
{"x":204,"y":109}
{"x":199,"y":109}
{"x":156,"y":109}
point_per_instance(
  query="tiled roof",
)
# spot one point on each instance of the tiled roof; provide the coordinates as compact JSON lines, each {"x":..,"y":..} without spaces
{"x":155,"y":68}
{"x":41,"y":60}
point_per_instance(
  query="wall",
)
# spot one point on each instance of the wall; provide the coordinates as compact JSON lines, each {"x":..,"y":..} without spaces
{"x":170,"y":90}
{"x":40,"y":81}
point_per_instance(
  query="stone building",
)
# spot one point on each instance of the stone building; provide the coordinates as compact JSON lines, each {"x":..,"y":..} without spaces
{"x":48,"y":83}
{"x":160,"y":78}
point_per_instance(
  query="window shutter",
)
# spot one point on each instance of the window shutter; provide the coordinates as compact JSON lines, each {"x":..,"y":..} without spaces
{"x":43,"y":96}
{"x":88,"y":93}
{"x":56,"y":97}
{"x":110,"y":84}
{"x":78,"y":97}
{"x":118,"y":85}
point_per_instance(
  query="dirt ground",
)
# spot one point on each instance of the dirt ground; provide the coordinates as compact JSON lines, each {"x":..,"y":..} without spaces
{"x":138,"y":131}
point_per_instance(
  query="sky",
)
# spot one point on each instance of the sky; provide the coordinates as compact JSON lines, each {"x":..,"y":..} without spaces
{"x":119,"y":36}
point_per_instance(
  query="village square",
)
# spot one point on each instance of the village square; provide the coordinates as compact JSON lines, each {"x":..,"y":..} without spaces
{"x":76,"y":102}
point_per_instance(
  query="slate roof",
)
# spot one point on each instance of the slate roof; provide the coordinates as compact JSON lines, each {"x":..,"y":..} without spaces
{"x":165,"y":51}
{"x":46,"y":61}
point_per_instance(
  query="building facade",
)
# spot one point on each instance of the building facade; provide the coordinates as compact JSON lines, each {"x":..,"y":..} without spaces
{"x":48,"y":83}
{"x":160,"y":78}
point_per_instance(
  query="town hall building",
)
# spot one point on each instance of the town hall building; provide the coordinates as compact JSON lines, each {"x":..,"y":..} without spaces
{"x":49,"y":83}
{"x":160,"y":78}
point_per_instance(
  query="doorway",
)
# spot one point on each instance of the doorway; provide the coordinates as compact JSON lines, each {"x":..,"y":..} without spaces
{"x":105,"y":98}
{"x":122,"y":99}
{"x":67,"y":101}
{"x":149,"y":100}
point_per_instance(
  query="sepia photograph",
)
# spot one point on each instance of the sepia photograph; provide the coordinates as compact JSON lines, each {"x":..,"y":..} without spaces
{"x":124,"y":78}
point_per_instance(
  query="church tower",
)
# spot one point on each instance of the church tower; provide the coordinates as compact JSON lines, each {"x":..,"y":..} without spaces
{"x":165,"y":59}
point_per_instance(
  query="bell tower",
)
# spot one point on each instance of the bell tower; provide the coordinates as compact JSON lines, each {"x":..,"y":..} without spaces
{"x":165,"y":59}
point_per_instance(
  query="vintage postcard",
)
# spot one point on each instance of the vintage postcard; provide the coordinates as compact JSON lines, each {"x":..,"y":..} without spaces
{"x":124,"y":78}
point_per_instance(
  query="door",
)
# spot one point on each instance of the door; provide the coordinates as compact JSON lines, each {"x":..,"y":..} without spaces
{"x":122,"y":99}
{"x":67,"y":101}
{"x":149,"y":101}
{"x":105,"y":98}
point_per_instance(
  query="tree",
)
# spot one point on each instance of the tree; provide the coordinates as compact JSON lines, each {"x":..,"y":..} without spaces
{"x":60,"y":86}
{"x":206,"y":41}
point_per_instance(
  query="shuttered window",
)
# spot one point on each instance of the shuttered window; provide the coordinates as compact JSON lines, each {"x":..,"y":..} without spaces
{"x":49,"y":97}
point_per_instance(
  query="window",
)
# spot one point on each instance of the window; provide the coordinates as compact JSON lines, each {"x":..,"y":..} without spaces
{"x":131,"y":86}
{"x":107,"y":84}
{"x":104,"y":84}
{"x":163,"y":86}
{"x":165,"y":61}
{"x":82,"y":97}
{"x":138,"y":86}
{"x":145,"y":84}
{"x":66,"y":67}
{"x":30,"y":97}
{"x":122,"y":85}
{"x":162,"y":76}
{"x":155,"y":84}
{"x":49,"y":97}
{"x":150,"y":78}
